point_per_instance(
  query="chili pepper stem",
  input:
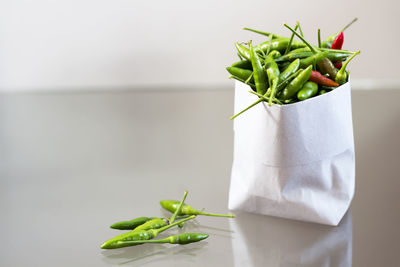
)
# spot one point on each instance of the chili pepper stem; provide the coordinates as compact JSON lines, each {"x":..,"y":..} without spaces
{"x":319,"y":38}
{"x":162,"y":229}
{"x":344,"y":66}
{"x":265,"y":98}
{"x":244,"y":110}
{"x":216,"y":215}
{"x":312,"y":48}
{"x":291,"y":40}
{"x":243,"y":81}
{"x":248,"y":79}
{"x":348,"y":25}
{"x":178,"y":210}
{"x":262,"y":33}
{"x":301,"y":32}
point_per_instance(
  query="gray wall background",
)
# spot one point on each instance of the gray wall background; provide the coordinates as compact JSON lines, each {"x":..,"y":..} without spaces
{"x":102,"y":44}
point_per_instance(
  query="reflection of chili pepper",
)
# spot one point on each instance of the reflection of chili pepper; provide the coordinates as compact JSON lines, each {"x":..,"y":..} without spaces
{"x":130,"y":225}
{"x":317,"y":77}
{"x":181,"y":239}
{"x":172,"y":205}
{"x":118,"y":241}
{"x":341,"y":77}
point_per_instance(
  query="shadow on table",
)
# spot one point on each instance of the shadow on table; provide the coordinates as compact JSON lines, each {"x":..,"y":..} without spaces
{"x":268,"y":241}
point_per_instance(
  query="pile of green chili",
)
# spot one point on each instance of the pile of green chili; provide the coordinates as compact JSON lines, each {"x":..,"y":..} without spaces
{"x":142,"y":230}
{"x":282,"y":70}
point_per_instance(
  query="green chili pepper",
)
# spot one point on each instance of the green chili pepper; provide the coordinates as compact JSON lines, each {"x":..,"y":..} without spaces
{"x":244,"y":81}
{"x":322,"y":92}
{"x":117,"y":242}
{"x":308,"y":90}
{"x":305,"y":62}
{"x":307,"y":49}
{"x":275,"y":54}
{"x":333,"y":56}
{"x":328,"y":42}
{"x":130,"y":225}
{"x":292,"y":68}
{"x":296,"y":84}
{"x":152,"y":224}
{"x":325,"y":65}
{"x":341,"y":76}
{"x":292,"y":56}
{"x":172,"y":205}
{"x":243,"y":51}
{"x":278,"y":44}
{"x":243,"y":64}
{"x":241,"y":73}
{"x":181,"y":239}
{"x":273,"y":75}
{"x":259,"y":74}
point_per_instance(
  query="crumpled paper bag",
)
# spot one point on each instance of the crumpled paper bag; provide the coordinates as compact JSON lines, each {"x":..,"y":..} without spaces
{"x":294,"y":161}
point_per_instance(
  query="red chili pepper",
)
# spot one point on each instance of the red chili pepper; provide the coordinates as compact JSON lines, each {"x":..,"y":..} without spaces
{"x":317,"y":77}
{"x":338,"y":42}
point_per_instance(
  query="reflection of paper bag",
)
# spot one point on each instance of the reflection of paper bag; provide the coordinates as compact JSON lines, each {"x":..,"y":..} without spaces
{"x":294,"y":161}
{"x":273,"y":242}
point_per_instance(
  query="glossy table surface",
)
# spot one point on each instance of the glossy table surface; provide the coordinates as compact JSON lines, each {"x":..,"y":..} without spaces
{"x":73,"y":163}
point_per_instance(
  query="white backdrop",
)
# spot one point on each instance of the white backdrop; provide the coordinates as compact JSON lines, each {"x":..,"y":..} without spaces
{"x":47,"y":44}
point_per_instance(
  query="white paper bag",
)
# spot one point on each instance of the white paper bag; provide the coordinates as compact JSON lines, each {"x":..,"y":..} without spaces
{"x":294,"y":161}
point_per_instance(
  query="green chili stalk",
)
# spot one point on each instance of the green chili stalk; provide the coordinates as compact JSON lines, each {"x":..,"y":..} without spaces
{"x":171,"y":205}
{"x":262,"y":33}
{"x":291,"y":40}
{"x":341,"y":76}
{"x":319,"y":38}
{"x":280,"y":86}
{"x":243,"y":81}
{"x":178,"y":210}
{"x":301,"y":32}
{"x":265,"y":97}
